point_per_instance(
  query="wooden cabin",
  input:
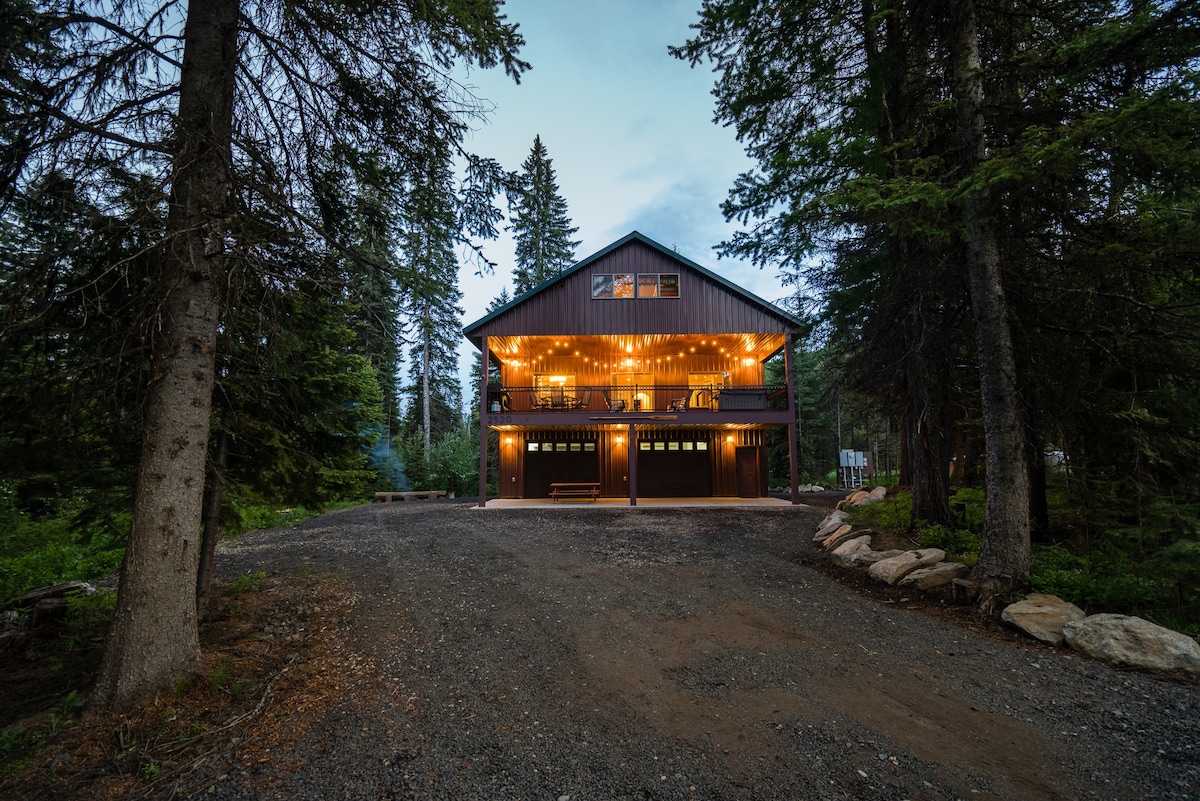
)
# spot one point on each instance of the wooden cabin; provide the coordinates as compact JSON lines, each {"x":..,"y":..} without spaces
{"x":635,"y":373}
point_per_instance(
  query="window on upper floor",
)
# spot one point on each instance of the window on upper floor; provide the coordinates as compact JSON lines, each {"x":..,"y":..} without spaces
{"x":607,"y":286}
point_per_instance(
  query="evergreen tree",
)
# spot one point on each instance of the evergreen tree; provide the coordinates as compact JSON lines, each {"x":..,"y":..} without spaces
{"x":918,"y":204}
{"x":540,"y":224}
{"x":431,"y":310}
{"x":219,"y":105}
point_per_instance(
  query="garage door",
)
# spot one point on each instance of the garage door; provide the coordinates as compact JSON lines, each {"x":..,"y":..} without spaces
{"x":674,"y":469}
{"x":546,"y":462}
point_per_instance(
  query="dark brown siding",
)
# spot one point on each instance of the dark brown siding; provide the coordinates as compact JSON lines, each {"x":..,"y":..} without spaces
{"x":725,"y":479}
{"x":566,"y":308}
{"x":720,"y":479}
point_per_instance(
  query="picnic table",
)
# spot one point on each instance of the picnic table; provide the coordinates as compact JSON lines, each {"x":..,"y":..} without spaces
{"x":582,"y":490}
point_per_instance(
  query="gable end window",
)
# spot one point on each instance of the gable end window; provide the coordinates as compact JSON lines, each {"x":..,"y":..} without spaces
{"x":622,"y":286}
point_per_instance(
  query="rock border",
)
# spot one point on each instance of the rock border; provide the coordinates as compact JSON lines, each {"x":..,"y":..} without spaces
{"x":1123,"y":641}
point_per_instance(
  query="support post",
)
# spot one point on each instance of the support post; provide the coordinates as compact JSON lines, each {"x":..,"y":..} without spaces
{"x":632,"y":464}
{"x":483,"y":428}
{"x":793,"y":451}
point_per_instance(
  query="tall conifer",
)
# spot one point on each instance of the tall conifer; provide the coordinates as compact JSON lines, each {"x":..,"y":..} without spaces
{"x":540,"y":223}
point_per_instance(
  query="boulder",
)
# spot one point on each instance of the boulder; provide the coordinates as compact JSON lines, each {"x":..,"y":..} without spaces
{"x":849,"y":548}
{"x":841,"y":535}
{"x":1042,"y":616}
{"x":939,"y":575}
{"x":853,"y":498}
{"x":829,"y":525}
{"x":862,"y":497}
{"x":893,"y":569}
{"x":1132,"y":642}
{"x":871,"y":557}
{"x":836,"y":516}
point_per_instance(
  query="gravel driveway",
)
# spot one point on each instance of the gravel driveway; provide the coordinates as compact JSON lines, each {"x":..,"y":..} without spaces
{"x":594,"y":653}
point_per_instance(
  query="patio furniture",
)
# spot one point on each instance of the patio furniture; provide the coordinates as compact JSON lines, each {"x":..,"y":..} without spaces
{"x":680,"y":404}
{"x":582,"y":490}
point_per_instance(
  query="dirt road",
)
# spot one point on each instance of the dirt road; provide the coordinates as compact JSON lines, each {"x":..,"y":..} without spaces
{"x":589,"y":653}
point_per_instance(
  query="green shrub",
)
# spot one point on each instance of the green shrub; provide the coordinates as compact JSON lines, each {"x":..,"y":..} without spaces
{"x":54,"y":563}
{"x":893,"y":513}
{"x":954,"y":541}
{"x":64,"y":545}
{"x":974,"y":504}
{"x":1097,"y":581}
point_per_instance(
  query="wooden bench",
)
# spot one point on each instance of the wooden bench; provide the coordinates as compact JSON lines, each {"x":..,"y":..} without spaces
{"x":583,"y":490}
{"x":431,"y":495}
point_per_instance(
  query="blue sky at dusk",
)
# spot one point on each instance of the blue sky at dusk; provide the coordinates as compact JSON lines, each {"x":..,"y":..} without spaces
{"x":627,"y":127}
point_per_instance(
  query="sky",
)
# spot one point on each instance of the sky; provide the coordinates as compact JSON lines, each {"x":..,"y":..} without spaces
{"x":629,"y":131}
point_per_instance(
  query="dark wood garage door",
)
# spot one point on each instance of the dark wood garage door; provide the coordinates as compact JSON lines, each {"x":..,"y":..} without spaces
{"x":674,"y":469}
{"x":547,"y":462}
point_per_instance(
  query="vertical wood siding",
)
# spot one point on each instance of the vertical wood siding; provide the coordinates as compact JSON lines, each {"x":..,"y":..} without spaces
{"x":614,"y":468}
{"x":566,"y":308}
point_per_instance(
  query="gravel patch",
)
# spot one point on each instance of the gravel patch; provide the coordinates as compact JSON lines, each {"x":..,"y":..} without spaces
{"x":681,"y":654}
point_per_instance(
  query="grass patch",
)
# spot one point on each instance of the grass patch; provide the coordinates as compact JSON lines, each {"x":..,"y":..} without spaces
{"x":244,"y":583}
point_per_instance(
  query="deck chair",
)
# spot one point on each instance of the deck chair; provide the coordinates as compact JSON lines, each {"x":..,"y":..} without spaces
{"x":614,"y":404}
{"x":680,"y":404}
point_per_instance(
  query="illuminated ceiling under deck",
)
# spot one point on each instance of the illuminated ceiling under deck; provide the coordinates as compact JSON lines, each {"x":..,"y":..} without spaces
{"x":609,"y":350}
{"x":643,"y":424}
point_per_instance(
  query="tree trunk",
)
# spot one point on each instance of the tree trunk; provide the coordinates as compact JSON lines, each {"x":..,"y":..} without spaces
{"x":928,"y":410}
{"x":154,"y":641}
{"x":211,"y":525}
{"x":427,"y":405}
{"x":1005,"y":552}
{"x":929,"y":459}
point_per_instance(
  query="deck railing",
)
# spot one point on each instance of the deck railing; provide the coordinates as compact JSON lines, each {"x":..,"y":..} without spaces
{"x":639,"y":398}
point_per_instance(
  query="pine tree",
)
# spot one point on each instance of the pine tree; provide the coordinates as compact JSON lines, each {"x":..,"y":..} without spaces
{"x":540,"y":224}
{"x":431,"y":311}
{"x":230,"y":112}
{"x":1067,"y":134}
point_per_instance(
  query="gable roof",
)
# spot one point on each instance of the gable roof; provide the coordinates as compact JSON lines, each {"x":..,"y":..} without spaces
{"x":474,"y":331}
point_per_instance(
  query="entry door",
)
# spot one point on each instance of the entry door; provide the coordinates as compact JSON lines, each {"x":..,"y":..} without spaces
{"x":747,"y":472}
